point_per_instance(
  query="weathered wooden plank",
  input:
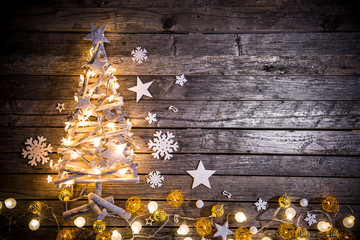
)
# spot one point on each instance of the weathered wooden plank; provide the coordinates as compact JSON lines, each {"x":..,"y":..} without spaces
{"x":185,"y":19}
{"x":217,"y":140}
{"x":205,"y":88}
{"x":210,"y":114}
{"x":229,"y":164}
{"x":189,"y":65}
{"x":280,"y":44}
{"x":243,"y":188}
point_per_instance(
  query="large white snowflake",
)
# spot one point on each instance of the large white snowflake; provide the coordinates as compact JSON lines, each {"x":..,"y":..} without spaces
{"x":151,"y":118}
{"x":163,"y":145}
{"x":36,"y":151}
{"x":139,"y":55}
{"x":155,"y":179}
{"x":180,"y":80}
{"x":261,"y":204}
{"x":310,"y":219}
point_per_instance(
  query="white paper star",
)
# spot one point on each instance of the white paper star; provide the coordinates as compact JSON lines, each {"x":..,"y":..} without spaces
{"x":222,"y":231}
{"x":141,"y":89}
{"x":60,"y":106}
{"x":114,"y":154}
{"x":49,"y":179}
{"x":201,"y":175}
{"x":97,"y":35}
{"x":149,"y":221}
{"x":95,"y":64}
{"x":84,"y":104}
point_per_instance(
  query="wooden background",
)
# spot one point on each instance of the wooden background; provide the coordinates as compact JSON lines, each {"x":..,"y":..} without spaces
{"x":271,"y":102}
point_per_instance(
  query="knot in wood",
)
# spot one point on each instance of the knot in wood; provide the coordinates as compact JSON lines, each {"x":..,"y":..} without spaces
{"x":168,"y":21}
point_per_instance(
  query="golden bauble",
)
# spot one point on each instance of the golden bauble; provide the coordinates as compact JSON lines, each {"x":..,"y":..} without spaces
{"x":284,"y":201}
{"x":35,"y":207}
{"x":160,"y":215}
{"x":133,"y":204}
{"x":64,"y":195}
{"x":103,"y":236}
{"x":330,"y":204}
{"x":301,"y":233}
{"x":99,"y":226}
{"x":332,"y":234}
{"x":65,"y":234}
{"x":175,"y":198}
{"x":203,"y":226}
{"x":217,"y":210}
{"x":242,"y":233}
{"x":347,"y":235}
{"x":286,"y":230}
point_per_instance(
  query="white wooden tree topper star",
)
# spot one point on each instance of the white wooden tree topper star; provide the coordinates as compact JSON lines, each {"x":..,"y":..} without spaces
{"x":141,"y":89}
{"x":97,"y":35}
{"x":222,"y":231}
{"x":201,"y":175}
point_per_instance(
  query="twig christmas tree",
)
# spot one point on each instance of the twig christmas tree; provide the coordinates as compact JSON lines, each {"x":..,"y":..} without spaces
{"x":98,"y":145}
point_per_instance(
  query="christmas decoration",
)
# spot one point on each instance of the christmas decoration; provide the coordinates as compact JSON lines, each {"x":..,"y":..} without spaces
{"x":163,"y":145}
{"x":136,"y":227}
{"x":301,"y":233}
{"x":64,"y":195}
{"x":222,"y":231}
{"x":35,"y":207}
{"x":242,"y":233}
{"x":151,"y":118}
{"x":253,"y":230}
{"x":149,"y":221}
{"x":290,"y":213}
{"x":10,"y":203}
{"x":304,"y":202}
{"x":174,"y":109}
{"x":133,"y":204}
{"x":139,"y":55}
{"x":286,"y":230}
{"x":347,"y":235}
{"x":49,"y":179}
{"x":65,"y":234}
{"x":349,"y":222}
{"x":183,"y":229}
{"x":199,"y":203}
{"x":284,"y":201}
{"x":141,"y":89}
{"x":160,"y":215}
{"x":261,"y":205}
{"x":79,"y":222}
{"x":203,"y":226}
{"x":34,"y":224}
{"x":152,"y":206}
{"x":97,"y":36}
{"x":103,"y":236}
{"x":60,"y":107}
{"x":180,"y":80}
{"x":36,"y":151}
{"x":201,"y":175}
{"x":217,"y":210}
{"x":155,"y":179}
{"x":332,"y":234}
{"x":330,"y":204}
{"x":240,"y":217}
{"x":226,"y":194}
{"x":175,"y":198}
{"x":99,"y":226}
{"x":310,"y":219}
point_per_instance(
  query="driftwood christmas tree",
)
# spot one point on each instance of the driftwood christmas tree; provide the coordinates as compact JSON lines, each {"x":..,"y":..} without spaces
{"x":98,"y":144}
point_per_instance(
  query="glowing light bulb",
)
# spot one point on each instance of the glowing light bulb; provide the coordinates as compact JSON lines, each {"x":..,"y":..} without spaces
{"x":79,"y":222}
{"x":110,"y":125}
{"x":10,"y":203}
{"x":115,"y":235}
{"x":240,"y":217}
{"x":34,"y":224}
{"x":349,"y":221}
{"x":199,"y":203}
{"x":304,"y":202}
{"x":290,"y":213}
{"x":183,"y":229}
{"x":1,"y":204}
{"x":136,"y":227}
{"x":97,"y":142}
{"x":266,"y":238}
{"x":253,"y":230}
{"x":323,"y":226}
{"x":152,"y":206}
{"x":188,"y":238}
{"x":111,"y":97}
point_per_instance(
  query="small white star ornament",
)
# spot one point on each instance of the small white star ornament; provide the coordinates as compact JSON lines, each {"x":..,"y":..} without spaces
{"x":222,"y":231}
{"x":97,"y":35}
{"x":201,"y":175}
{"x":141,"y":89}
{"x":114,"y":153}
{"x":60,"y":106}
{"x":84,"y":103}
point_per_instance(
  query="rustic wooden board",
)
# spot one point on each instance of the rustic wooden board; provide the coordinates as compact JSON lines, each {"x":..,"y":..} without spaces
{"x":188,"y":19}
{"x":206,"y":88}
{"x":229,"y":164}
{"x":243,"y":188}
{"x":203,"y":114}
{"x":217,"y":140}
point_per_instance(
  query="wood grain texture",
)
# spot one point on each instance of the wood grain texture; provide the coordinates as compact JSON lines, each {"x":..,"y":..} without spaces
{"x":206,"y":88}
{"x":209,"y":114}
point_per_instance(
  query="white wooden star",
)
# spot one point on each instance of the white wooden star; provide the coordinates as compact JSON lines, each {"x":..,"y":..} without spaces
{"x":222,"y":231}
{"x":201,"y":175}
{"x":95,"y":64}
{"x":97,"y":35}
{"x":84,"y":104}
{"x":114,"y":154}
{"x":49,"y":179}
{"x":60,"y":106}
{"x":149,"y":221}
{"x":141,"y":89}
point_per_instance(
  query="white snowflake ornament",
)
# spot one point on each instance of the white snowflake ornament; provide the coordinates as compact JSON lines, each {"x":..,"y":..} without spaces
{"x":310,"y":219}
{"x":155,"y":179}
{"x":151,"y":118}
{"x":163,"y":145}
{"x":261,"y":204}
{"x":180,"y":80}
{"x":36,"y":151}
{"x":139,"y":55}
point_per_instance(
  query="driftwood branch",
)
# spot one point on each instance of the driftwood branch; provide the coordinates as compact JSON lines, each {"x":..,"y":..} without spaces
{"x":83,"y":209}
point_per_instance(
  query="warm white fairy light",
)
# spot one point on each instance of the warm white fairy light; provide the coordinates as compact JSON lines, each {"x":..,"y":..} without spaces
{"x":111,"y":97}
{"x":323,"y":226}
{"x":10,"y":203}
{"x":66,"y":141}
{"x":97,"y":142}
{"x":290,"y":213}
{"x":199,"y":203}
{"x":253,"y":230}
{"x":79,"y":222}
{"x":76,"y":98}
{"x":240,"y":217}
{"x":34,"y":224}
{"x":152,"y":206}
{"x":188,"y":238}
{"x":1,"y":204}
{"x":115,"y":235}
{"x":183,"y":229}
{"x":266,"y":238}
{"x":136,"y":227}
{"x":349,"y":221}
{"x":74,"y":155}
